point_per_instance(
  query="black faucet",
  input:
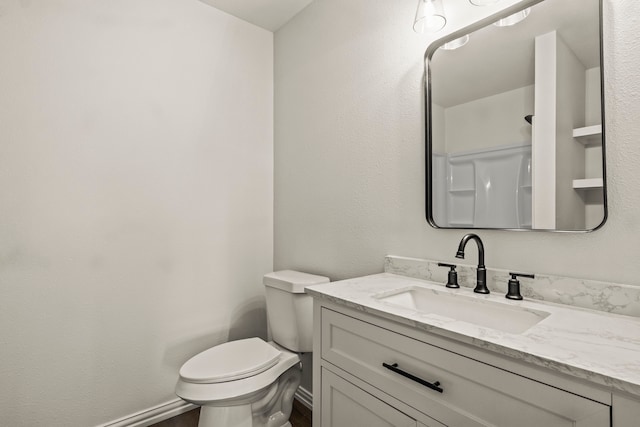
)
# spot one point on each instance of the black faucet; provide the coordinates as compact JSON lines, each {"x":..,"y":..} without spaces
{"x":481,"y":283}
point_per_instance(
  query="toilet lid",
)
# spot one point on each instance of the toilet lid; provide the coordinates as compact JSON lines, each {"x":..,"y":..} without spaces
{"x":230,"y":361}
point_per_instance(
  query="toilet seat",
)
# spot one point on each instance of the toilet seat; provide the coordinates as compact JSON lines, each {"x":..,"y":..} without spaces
{"x":230,"y":361}
{"x":221,"y":392}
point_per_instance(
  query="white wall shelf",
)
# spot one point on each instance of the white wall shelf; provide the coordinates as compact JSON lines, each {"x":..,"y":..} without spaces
{"x":588,"y":135}
{"x":588,"y":183}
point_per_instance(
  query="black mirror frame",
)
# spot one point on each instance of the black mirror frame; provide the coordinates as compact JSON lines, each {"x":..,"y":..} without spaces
{"x":431,"y":49}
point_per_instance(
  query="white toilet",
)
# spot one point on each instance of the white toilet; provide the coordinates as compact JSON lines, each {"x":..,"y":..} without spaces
{"x":250,"y":382}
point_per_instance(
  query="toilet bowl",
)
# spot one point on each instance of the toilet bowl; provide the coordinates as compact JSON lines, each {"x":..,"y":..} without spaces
{"x":255,"y":389}
{"x":251,"y":382}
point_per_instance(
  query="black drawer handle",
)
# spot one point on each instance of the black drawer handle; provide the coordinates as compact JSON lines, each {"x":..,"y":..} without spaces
{"x":432,"y":386}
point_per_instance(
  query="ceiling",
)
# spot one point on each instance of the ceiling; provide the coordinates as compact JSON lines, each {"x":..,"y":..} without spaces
{"x":268,"y":14}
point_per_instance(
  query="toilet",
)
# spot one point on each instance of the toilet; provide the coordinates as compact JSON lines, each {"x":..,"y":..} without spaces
{"x":251,"y":382}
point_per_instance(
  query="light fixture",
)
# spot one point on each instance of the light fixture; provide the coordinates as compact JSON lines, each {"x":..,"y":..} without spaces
{"x":483,"y":2}
{"x":429,"y":16}
{"x":513,"y":19}
{"x":455,"y":44}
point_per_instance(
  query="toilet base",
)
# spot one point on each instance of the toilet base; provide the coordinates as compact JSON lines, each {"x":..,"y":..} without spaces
{"x":270,"y":407}
{"x":230,"y":416}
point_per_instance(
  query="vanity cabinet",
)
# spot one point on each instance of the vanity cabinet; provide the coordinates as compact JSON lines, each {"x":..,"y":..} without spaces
{"x":372,"y":371}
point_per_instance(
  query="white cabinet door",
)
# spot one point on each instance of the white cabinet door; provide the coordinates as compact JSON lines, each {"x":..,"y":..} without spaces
{"x":345,"y":405}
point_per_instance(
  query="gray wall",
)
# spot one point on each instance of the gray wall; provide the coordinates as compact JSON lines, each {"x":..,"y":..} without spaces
{"x":136,"y":163}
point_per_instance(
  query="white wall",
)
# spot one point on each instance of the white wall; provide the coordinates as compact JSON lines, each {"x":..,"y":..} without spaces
{"x":136,"y":186}
{"x":570,"y":155}
{"x":592,"y":110}
{"x":349,"y":149}
{"x":438,"y":128}
{"x":594,"y":207}
{"x":490,"y":122}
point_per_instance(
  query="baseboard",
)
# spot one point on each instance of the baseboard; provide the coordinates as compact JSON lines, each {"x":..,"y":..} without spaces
{"x":153,"y":415}
{"x":305,"y":397}
{"x":178,"y":406}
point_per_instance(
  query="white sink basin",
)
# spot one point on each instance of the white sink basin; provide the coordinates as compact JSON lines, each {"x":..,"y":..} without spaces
{"x":480,"y":312}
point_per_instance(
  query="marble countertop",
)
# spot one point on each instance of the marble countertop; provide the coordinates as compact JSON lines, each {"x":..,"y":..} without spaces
{"x":600,"y":347}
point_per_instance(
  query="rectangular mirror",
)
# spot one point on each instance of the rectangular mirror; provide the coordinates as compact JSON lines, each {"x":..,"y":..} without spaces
{"x":515,"y":121}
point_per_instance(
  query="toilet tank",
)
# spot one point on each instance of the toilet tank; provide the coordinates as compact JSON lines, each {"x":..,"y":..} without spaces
{"x":289,"y":309}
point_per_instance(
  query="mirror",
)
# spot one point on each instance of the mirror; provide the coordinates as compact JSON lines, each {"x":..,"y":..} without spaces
{"x":515,"y":117}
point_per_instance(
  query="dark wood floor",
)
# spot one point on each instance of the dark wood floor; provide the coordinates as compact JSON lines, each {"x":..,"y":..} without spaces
{"x":300,"y":417}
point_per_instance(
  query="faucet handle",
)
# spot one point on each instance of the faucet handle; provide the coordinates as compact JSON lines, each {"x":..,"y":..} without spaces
{"x":452,"y":281}
{"x":513,"y":291}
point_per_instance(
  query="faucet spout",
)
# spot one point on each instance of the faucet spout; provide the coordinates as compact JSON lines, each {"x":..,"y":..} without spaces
{"x":481,"y":278}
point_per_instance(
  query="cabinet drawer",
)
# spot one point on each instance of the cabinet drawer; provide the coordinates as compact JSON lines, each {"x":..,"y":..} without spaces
{"x":473,"y":393}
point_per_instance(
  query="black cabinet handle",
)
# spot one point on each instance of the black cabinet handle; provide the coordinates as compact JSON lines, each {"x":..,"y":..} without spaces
{"x":432,"y":386}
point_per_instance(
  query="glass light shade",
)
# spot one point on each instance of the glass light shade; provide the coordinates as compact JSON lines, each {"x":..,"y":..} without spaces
{"x":455,"y":44}
{"x":483,"y":2}
{"x":429,"y":16}
{"x":513,"y":19}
